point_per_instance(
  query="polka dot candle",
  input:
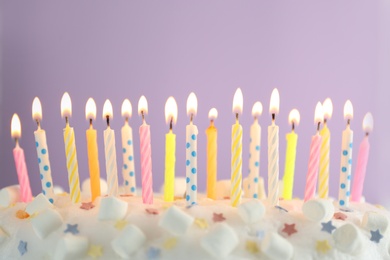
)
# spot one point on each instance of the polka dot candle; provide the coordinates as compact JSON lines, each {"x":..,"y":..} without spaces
{"x":191,"y":153}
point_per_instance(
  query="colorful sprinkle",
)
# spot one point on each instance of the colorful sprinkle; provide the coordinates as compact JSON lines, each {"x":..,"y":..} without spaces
{"x":87,"y":205}
{"x":323,"y":246}
{"x":376,"y":236}
{"x":328,"y":227}
{"x":289,"y":229}
{"x":22,"y":247}
{"x":71,"y":229}
{"x":218,"y":217}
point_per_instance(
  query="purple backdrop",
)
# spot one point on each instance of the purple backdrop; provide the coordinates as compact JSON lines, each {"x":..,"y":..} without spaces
{"x":309,"y":50}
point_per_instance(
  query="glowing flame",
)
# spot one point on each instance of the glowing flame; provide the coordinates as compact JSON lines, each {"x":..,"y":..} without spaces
{"x":192,"y":104}
{"x":37,"y":109}
{"x":328,"y":108}
{"x":16,"y":129}
{"x":368,"y":123}
{"x":237,"y":102}
{"x":90,"y":109}
{"x":171,"y":110}
{"x":142,"y":105}
{"x":319,"y":113}
{"x":66,"y":105}
{"x":348,"y":110}
{"x":274,"y":103}
{"x":213,"y":114}
{"x":294,"y":117}
{"x":107,"y":109}
{"x":127,"y":109}
{"x":257,"y":109}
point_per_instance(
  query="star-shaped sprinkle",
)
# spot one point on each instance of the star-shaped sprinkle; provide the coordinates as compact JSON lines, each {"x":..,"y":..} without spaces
{"x":218,"y":217}
{"x":323,"y":246}
{"x":170,"y":243}
{"x":87,"y":205}
{"x":201,"y":223}
{"x":22,"y":247}
{"x":340,"y":216}
{"x":376,"y":236}
{"x":95,"y":251}
{"x":21,"y":214}
{"x":153,"y":253}
{"x":281,"y":208}
{"x":289,"y":229}
{"x":152,"y":211}
{"x":328,"y":227}
{"x":71,"y":229}
{"x":126,"y":195}
{"x":251,"y":247}
{"x":120,"y":224}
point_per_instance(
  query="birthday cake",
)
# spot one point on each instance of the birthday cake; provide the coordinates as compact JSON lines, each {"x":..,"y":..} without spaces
{"x":124,"y":228}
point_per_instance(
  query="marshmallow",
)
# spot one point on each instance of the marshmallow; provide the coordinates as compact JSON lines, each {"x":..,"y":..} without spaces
{"x":251,"y":211}
{"x":223,"y":189}
{"x":179,"y":187}
{"x":39,"y":203}
{"x":112,"y":208}
{"x":220,"y":241}
{"x":58,"y":189}
{"x":348,"y":239}
{"x":86,"y":187}
{"x":3,"y":236}
{"x":71,"y":247}
{"x":46,"y":222}
{"x":9,"y":195}
{"x":128,"y":242}
{"x":276,"y":247}
{"x":176,"y":221}
{"x":318,"y":210}
{"x":373,"y":221}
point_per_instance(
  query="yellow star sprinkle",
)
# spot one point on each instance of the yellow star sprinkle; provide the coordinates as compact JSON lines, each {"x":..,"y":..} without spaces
{"x":95,"y":251}
{"x":201,"y":223}
{"x":323,"y":246}
{"x":170,"y":243}
{"x":120,"y":224}
{"x":252,"y":247}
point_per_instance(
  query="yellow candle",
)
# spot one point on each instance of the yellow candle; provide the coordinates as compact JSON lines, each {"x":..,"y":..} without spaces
{"x":93,"y":158}
{"x":212,"y":134}
{"x":291,"y":150}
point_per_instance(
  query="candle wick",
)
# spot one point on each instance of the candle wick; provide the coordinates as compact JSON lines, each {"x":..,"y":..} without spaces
{"x":38,"y":124}
{"x":348,"y":121}
{"x":367,"y":133}
{"x":90,"y":122}
{"x":170,"y":125}
{"x":16,"y":141}
{"x":126,"y":119}
{"x":293,"y":126}
{"x":108,"y":120}
{"x":273,"y":117}
{"x":318,"y":126}
{"x":191,"y":117}
{"x":66,"y":120}
{"x":325,"y":120}
{"x":237,"y":117}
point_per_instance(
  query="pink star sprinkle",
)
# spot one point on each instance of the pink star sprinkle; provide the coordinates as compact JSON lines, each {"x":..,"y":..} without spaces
{"x":339,"y":215}
{"x":152,"y":211}
{"x":218,"y":217}
{"x":289,"y":229}
{"x":87,"y":205}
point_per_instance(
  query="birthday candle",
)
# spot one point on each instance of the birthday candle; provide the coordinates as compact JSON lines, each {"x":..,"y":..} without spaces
{"x":254,"y":153}
{"x":170,"y":150}
{"x":128,"y":171}
{"x":212,"y":135}
{"x":20,"y":162}
{"x":92,"y":149}
{"x":236,"y":160}
{"x":191,"y":152}
{"x":110,"y":151}
{"x":314,"y":159}
{"x":323,"y":181}
{"x":70,"y":150}
{"x":360,"y":172}
{"x":42,"y":152}
{"x":346,"y":157}
{"x":273,"y":151}
{"x":146,"y":153}
{"x":291,"y":152}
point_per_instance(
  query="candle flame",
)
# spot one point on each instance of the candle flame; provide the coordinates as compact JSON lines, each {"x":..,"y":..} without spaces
{"x":127,"y":109}
{"x":294,"y":117}
{"x":274,"y":103}
{"x":237,"y":102}
{"x":90,"y":109}
{"x":257,"y":109}
{"x":142,"y":105}
{"x":16,"y":129}
{"x":319,"y":114}
{"x":37,"y":109}
{"x":171,"y":110}
{"x":107,"y":110}
{"x":66,"y":105}
{"x":348,"y":110}
{"x":213,"y":114}
{"x":368,"y":123}
{"x":328,"y":108}
{"x":192,"y":104}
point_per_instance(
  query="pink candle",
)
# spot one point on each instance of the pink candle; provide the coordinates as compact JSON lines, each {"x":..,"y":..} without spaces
{"x":20,"y":162}
{"x":360,"y":173}
{"x":314,"y":160}
{"x":146,"y":154}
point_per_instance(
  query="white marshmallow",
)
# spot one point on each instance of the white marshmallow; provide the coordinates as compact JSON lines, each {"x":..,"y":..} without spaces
{"x":128,"y":242}
{"x":223,"y":189}
{"x":86,"y":188}
{"x":71,"y":247}
{"x":374,"y":220}
{"x":348,"y":239}
{"x":220,"y":241}
{"x":9,"y":195}
{"x":112,"y":208}
{"x":39,"y":204}
{"x":251,"y":211}
{"x":46,"y":222}
{"x":318,"y":210}
{"x":3,"y":236}
{"x":276,"y":247}
{"x":58,"y":189}
{"x":176,"y":221}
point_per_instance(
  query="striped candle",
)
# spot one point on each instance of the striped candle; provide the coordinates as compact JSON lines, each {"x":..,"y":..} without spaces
{"x":191,"y":152}
{"x":110,"y":152}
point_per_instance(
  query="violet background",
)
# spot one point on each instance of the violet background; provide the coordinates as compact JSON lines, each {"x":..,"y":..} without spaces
{"x":309,"y":50}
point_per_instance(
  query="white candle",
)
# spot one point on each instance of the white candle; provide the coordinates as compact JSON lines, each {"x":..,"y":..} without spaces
{"x":191,"y":152}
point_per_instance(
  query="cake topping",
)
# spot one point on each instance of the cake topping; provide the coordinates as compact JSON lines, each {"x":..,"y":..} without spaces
{"x":323,"y":246}
{"x":170,"y":243}
{"x":87,"y":205}
{"x":328,"y":227}
{"x":95,"y":251}
{"x":340,"y":216}
{"x":251,"y":211}
{"x":71,"y":229}
{"x":46,"y":222}
{"x":220,"y":241}
{"x":153,"y":253}
{"x":21,"y":214}
{"x":121,"y":224}
{"x":71,"y":247}
{"x":39,"y":204}
{"x":376,"y":236}
{"x":289,"y":229}
{"x":218,"y":217}
{"x":348,"y":239}
{"x":374,"y":220}
{"x":201,"y":223}
{"x":128,"y":242}
{"x":22,"y":247}
{"x":275,"y":247}
{"x":251,"y":247}
{"x":152,"y":211}
{"x":176,"y":221}
{"x":318,"y":210}
{"x":112,"y":208}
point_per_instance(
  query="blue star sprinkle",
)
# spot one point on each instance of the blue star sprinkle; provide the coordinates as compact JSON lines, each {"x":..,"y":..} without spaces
{"x":376,"y":236}
{"x":22,"y":247}
{"x":71,"y":229}
{"x":153,"y":253}
{"x":281,"y":208}
{"x":328,"y":227}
